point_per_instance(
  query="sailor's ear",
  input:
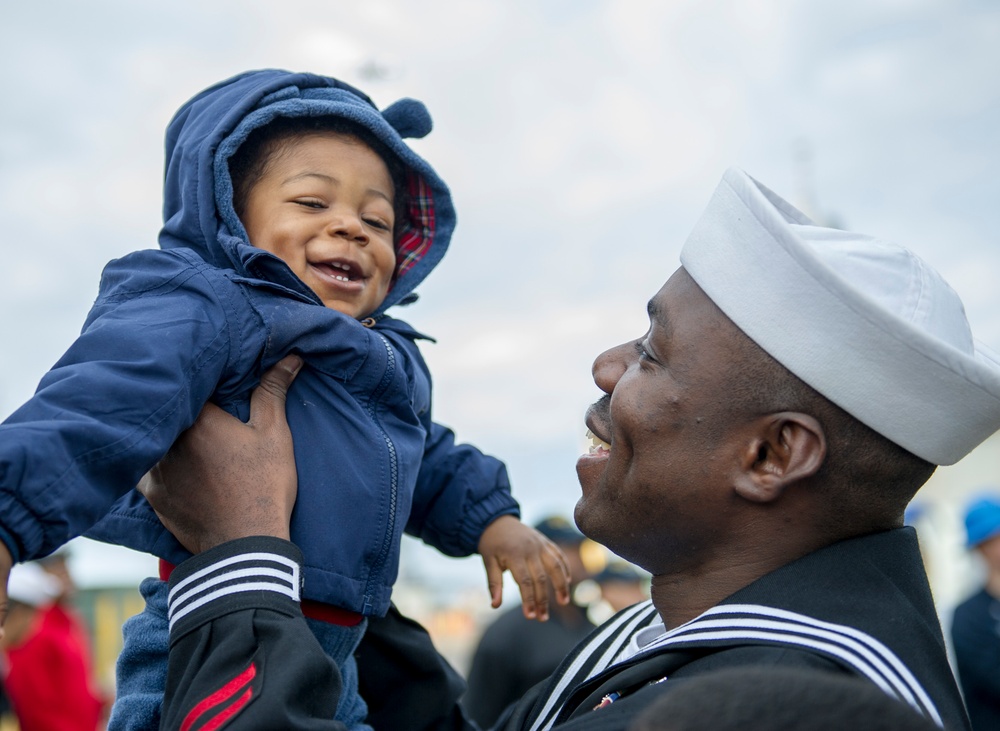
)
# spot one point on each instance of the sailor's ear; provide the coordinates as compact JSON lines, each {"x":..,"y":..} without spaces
{"x":783,"y":448}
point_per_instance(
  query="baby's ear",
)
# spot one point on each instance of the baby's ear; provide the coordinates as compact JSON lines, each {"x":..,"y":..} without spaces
{"x":409,"y":117}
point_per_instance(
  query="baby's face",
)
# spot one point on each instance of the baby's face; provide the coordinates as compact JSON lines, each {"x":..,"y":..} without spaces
{"x":325,"y":208}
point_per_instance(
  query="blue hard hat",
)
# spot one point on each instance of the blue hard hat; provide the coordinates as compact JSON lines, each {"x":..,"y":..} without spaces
{"x":982,"y":520}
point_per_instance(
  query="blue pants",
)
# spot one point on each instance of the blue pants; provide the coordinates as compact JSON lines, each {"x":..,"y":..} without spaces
{"x":141,"y":673}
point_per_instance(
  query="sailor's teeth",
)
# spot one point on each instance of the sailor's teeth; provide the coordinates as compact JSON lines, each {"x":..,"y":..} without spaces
{"x":596,"y":443}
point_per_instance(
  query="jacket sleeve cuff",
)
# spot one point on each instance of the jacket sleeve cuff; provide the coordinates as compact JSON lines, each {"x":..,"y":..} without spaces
{"x":10,"y":544}
{"x":480,"y":515}
{"x":22,"y":531}
{"x":249,"y":573}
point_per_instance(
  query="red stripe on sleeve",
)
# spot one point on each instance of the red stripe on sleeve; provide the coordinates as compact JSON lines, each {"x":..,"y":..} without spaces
{"x":228,"y":713}
{"x":221,"y":695}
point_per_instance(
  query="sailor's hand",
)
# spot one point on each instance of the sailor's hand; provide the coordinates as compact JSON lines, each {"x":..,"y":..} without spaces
{"x":223,"y":479}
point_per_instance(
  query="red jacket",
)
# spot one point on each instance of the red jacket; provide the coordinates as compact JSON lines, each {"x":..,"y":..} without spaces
{"x":49,"y":676}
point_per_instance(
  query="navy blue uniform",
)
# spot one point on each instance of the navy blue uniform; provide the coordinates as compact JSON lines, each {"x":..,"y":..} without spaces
{"x":860,"y":607}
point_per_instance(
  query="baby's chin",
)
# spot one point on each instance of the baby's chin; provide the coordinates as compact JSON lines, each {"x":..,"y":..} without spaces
{"x":357,"y":305}
{"x":352,"y":310}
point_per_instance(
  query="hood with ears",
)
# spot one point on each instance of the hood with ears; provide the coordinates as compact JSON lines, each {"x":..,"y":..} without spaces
{"x":198,"y":209}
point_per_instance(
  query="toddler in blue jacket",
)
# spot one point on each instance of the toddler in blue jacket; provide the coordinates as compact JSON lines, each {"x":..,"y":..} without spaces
{"x":294,"y":217}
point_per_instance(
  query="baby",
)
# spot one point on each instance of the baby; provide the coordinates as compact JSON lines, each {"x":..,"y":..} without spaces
{"x":295,"y":216}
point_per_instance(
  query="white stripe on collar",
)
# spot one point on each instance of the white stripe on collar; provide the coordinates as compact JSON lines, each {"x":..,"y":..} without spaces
{"x":861,"y":651}
{"x":579,"y":670}
{"x":753,"y":623}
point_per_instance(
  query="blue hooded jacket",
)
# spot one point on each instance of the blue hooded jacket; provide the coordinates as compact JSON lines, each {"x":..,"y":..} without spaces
{"x":200,"y":319}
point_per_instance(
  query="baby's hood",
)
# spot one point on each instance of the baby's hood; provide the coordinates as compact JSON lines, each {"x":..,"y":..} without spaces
{"x":198,"y":193}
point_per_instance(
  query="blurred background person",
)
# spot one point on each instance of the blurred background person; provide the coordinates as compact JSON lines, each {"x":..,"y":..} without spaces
{"x":62,"y":616}
{"x":622,"y":585}
{"x":514,"y":652}
{"x":975,"y":628}
{"x":48,"y":673}
{"x":29,"y":590}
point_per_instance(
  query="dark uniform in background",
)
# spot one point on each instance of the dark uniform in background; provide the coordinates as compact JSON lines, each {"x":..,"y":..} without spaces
{"x":975,"y":628}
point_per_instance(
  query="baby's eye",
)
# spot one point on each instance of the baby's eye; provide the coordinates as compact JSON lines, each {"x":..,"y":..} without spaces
{"x":378,"y":223}
{"x":310,"y":203}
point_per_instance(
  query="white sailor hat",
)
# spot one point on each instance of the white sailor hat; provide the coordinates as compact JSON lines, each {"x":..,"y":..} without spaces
{"x":863,"y":321}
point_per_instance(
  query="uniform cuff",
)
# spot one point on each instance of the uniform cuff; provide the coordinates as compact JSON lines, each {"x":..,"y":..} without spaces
{"x":249,"y":573}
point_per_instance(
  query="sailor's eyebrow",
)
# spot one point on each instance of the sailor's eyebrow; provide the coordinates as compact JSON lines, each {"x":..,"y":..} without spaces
{"x":658,"y":316}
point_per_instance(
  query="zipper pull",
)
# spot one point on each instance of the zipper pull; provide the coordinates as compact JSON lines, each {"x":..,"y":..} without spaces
{"x":368,"y":322}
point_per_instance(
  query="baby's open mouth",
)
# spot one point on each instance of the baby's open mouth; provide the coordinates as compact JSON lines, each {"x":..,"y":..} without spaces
{"x":344,"y":271}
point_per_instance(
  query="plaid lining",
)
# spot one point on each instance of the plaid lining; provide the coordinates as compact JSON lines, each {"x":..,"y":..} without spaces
{"x":418,"y":234}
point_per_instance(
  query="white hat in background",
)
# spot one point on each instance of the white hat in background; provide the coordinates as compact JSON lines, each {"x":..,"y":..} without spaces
{"x":863,"y":321}
{"x":30,"y":584}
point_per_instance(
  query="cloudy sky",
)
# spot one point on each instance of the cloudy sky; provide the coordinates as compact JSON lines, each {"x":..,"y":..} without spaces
{"x":581,"y":139}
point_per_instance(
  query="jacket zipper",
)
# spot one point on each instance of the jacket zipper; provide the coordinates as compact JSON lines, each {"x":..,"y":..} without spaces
{"x":387,"y":536}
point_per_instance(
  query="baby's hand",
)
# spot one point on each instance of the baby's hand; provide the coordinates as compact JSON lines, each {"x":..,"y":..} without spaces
{"x":532,"y":559}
